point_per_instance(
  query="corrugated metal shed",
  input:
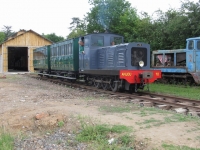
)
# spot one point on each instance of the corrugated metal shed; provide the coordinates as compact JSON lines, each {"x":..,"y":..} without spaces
{"x":27,"y":40}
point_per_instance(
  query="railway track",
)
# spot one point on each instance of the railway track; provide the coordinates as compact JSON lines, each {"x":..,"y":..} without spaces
{"x":144,"y":99}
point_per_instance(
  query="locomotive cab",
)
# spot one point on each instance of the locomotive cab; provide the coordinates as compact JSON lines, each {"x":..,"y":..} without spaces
{"x":92,"y":44}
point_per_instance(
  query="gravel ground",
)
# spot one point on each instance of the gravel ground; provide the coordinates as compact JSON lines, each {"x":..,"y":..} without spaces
{"x":58,"y":140}
{"x":23,"y":98}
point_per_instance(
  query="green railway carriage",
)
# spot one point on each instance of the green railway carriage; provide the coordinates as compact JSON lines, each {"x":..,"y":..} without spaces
{"x":59,"y":58}
{"x":41,"y":58}
{"x":64,"y":56}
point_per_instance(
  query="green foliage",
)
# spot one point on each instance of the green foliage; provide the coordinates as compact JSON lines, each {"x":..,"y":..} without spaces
{"x":2,"y":37}
{"x":187,"y":92}
{"x":125,"y":140}
{"x":98,"y":135}
{"x":76,"y":33}
{"x":7,"y":30}
{"x":105,"y":14}
{"x":115,"y":109}
{"x":172,"y":147}
{"x":6,"y":141}
{"x":90,"y":133}
{"x":53,"y":37}
{"x":120,"y":129}
{"x":61,"y":123}
{"x":78,"y":28}
{"x":167,"y":30}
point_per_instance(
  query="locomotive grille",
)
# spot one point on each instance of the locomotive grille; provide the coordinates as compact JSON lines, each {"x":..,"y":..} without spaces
{"x":110,"y":59}
{"x":138,"y":54}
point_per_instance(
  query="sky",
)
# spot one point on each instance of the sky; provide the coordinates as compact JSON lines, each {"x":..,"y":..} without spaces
{"x":55,"y":16}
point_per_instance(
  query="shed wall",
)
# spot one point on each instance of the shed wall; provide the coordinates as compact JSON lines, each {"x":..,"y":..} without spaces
{"x":27,"y":39}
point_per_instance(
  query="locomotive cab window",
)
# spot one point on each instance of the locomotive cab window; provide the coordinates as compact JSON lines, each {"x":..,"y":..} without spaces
{"x":97,"y":41}
{"x":191,"y":45}
{"x":137,"y":55}
{"x":198,"y":45}
{"x":115,"y":40}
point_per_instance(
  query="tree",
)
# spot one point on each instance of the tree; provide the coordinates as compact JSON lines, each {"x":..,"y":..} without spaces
{"x":105,"y":14}
{"x":192,"y":11}
{"x":78,"y":28}
{"x":76,"y":33}
{"x":2,"y":37}
{"x":53,"y":37}
{"x":7,"y":31}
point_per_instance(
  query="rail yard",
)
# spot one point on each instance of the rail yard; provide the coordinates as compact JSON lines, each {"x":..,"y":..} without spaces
{"x":155,"y":121}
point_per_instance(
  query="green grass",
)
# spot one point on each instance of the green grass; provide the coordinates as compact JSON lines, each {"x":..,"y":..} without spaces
{"x":61,"y":124}
{"x":148,"y":123}
{"x":147,"y":111}
{"x":187,"y":91}
{"x":6,"y":141}
{"x":115,"y":109}
{"x":172,"y":147}
{"x":99,"y":135}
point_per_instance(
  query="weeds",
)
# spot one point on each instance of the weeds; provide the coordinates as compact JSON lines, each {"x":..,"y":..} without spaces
{"x":187,"y":91}
{"x":61,"y":123}
{"x":115,"y":109}
{"x":6,"y":141}
{"x":100,"y":134}
{"x":172,"y":147}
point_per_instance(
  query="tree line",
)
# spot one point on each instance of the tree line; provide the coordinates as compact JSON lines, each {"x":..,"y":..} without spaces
{"x":162,"y":30}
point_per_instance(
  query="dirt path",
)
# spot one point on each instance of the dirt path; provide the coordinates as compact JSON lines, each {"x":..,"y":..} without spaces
{"x":21,"y":98}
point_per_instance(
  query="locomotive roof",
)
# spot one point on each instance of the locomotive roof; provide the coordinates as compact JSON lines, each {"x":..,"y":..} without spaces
{"x":194,"y":38}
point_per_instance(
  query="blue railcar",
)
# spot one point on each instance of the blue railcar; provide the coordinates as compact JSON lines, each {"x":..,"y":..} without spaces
{"x":179,"y":65}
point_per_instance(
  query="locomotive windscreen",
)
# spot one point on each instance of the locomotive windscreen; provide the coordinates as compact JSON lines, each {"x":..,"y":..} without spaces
{"x":138,"y":54}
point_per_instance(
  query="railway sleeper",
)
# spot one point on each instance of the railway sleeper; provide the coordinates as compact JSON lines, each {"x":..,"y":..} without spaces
{"x":194,"y":113}
{"x":180,"y":110}
{"x":146,"y":104}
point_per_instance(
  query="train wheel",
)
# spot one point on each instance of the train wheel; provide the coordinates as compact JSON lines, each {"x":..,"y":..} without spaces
{"x":114,"y":85}
{"x":97,"y":84}
{"x":105,"y":86}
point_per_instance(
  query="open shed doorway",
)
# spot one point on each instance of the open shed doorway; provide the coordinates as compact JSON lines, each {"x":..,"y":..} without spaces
{"x":17,"y":59}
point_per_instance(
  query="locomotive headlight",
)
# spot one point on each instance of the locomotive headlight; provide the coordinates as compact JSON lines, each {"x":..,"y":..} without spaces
{"x":141,"y":63}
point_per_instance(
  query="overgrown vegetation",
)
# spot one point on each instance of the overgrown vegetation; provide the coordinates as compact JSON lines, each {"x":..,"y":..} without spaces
{"x":163,"y":30}
{"x":115,"y":109}
{"x":172,"y":147}
{"x":6,"y":140}
{"x":102,"y":136}
{"x":185,"y":91}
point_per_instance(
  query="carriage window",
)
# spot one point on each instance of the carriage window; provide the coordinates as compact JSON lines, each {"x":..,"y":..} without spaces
{"x":70,"y":48}
{"x":115,"y":40}
{"x":54,"y":51}
{"x":62,"y":50}
{"x":45,"y":52}
{"x":191,"y":45}
{"x":198,"y":45}
{"x":97,"y":41}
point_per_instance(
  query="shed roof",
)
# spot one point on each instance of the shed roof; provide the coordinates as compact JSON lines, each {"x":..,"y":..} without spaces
{"x":20,"y":32}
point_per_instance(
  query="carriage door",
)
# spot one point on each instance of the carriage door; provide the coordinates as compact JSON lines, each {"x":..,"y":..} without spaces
{"x":81,"y":60}
{"x":190,"y":56}
{"x":81,"y":55}
{"x":198,"y":56}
